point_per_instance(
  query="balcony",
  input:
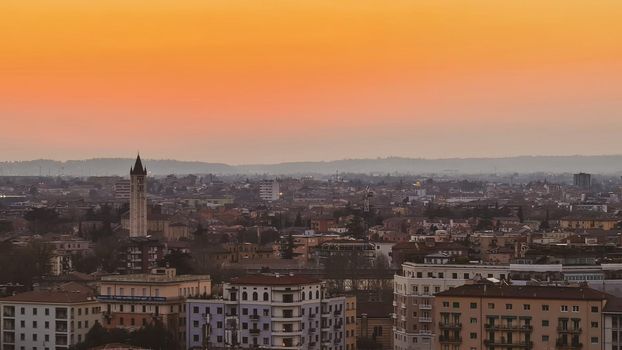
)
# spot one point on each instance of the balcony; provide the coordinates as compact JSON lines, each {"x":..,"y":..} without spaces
{"x":449,"y":340}
{"x":509,"y":327}
{"x":561,"y":345}
{"x":569,"y":330}
{"x":447,"y":325}
{"x":254,"y":317}
{"x":511,"y":344}
{"x":425,"y":319}
{"x":425,"y":307}
{"x":254,"y":331}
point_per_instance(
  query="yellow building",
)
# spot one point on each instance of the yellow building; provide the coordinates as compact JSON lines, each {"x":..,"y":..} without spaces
{"x":350,"y":315}
{"x":588,"y":223}
{"x":132,"y":301}
{"x":495,"y":317}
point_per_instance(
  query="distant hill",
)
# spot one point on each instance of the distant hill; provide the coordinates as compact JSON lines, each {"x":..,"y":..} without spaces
{"x":608,"y":164}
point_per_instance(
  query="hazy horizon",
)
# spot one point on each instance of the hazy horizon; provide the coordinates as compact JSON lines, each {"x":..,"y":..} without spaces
{"x":148,"y":158}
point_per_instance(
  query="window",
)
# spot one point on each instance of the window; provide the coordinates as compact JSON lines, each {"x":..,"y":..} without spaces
{"x":454,"y":275}
{"x":491,"y":305}
{"x":195,"y":309}
{"x":244,"y":296}
{"x":545,"y":307}
{"x":473,"y":335}
{"x":526,"y":307}
{"x":594,"y":340}
{"x":473,"y":305}
{"x":445,"y":304}
{"x":473,"y":320}
{"x":508,"y":306}
{"x":594,"y":308}
{"x":545,"y":323}
{"x":564,"y":308}
{"x":594,"y":324}
{"x":456,"y":305}
{"x":545,"y":338}
{"x":466,"y":276}
{"x":255,"y":296}
{"x":575,"y":308}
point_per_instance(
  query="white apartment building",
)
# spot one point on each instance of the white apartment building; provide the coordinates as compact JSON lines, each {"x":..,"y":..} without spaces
{"x":272,"y":312}
{"x":47,"y":320}
{"x":414,"y":288}
{"x":269,"y":190}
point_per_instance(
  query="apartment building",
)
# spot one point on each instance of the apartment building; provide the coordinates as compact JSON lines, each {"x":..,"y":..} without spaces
{"x":414,"y":289}
{"x":132,"y":301}
{"x":495,"y":317}
{"x":269,"y":190}
{"x":140,"y":255}
{"x":48,"y":320}
{"x":272,"y":312}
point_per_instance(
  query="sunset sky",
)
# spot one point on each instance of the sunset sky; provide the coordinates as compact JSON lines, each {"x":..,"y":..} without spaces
{"x":282,"y":80}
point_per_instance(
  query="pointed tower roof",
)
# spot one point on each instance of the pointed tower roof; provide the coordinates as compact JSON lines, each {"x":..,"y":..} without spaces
{"x":138,"y":168}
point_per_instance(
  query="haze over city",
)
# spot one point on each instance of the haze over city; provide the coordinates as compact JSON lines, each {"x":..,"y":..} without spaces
{"x":243,"y":82}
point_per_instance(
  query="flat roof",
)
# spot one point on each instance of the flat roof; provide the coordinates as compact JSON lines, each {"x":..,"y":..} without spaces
{"x":274,"y":280}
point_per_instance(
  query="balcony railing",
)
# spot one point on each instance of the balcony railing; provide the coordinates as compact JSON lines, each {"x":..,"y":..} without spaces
{"x":561,"y":345}
{"x":512,"y":344}
{"x":571,"y":330}
{"x":450,"y":340}
{"x":425,"y":319}
{"x":254,"y":317}
{"x":509,"y":327}
{"x":425,"y":307}
{"x":447,"y":325}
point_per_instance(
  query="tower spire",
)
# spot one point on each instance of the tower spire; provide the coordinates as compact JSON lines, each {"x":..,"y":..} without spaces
{"x":138,"y":168}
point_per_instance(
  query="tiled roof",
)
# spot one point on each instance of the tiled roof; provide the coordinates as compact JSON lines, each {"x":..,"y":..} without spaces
{"x":525,"y":292}
{"x":52,"y":297}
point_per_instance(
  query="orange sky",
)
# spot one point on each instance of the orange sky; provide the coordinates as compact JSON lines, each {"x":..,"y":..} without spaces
{"x":267,"y":81}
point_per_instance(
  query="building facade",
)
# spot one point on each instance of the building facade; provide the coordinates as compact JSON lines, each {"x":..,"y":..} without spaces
{"x":132,"y":301}
{"x":272,"y":312}
{"x":269,"y":190}
{"x":138,"y":199}
{"x":140,"y":255}
{"x":414,"y":289}
{"x":495,"y":317}
{"x":47,"y":320}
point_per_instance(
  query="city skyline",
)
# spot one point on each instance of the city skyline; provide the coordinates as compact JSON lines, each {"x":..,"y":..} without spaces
{"x":243,"y":82}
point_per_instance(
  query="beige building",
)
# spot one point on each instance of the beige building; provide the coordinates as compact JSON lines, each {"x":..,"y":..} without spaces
{"x":414,"y":288}
{"x":374,"y":324}
{"x":131,"y":301}
{"x":495,"y":317}
{"x":55,"y":319}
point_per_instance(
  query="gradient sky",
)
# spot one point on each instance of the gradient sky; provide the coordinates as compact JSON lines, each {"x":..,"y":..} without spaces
{"x":280,"y":80}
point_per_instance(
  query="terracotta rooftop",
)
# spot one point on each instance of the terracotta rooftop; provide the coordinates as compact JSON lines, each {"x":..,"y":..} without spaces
{"x":525,"y":292}
{"x":274,"y":280}
{"x":52,"y":297}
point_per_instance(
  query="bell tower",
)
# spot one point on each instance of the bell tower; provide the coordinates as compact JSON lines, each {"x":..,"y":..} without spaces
{"x":138,"y":199}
